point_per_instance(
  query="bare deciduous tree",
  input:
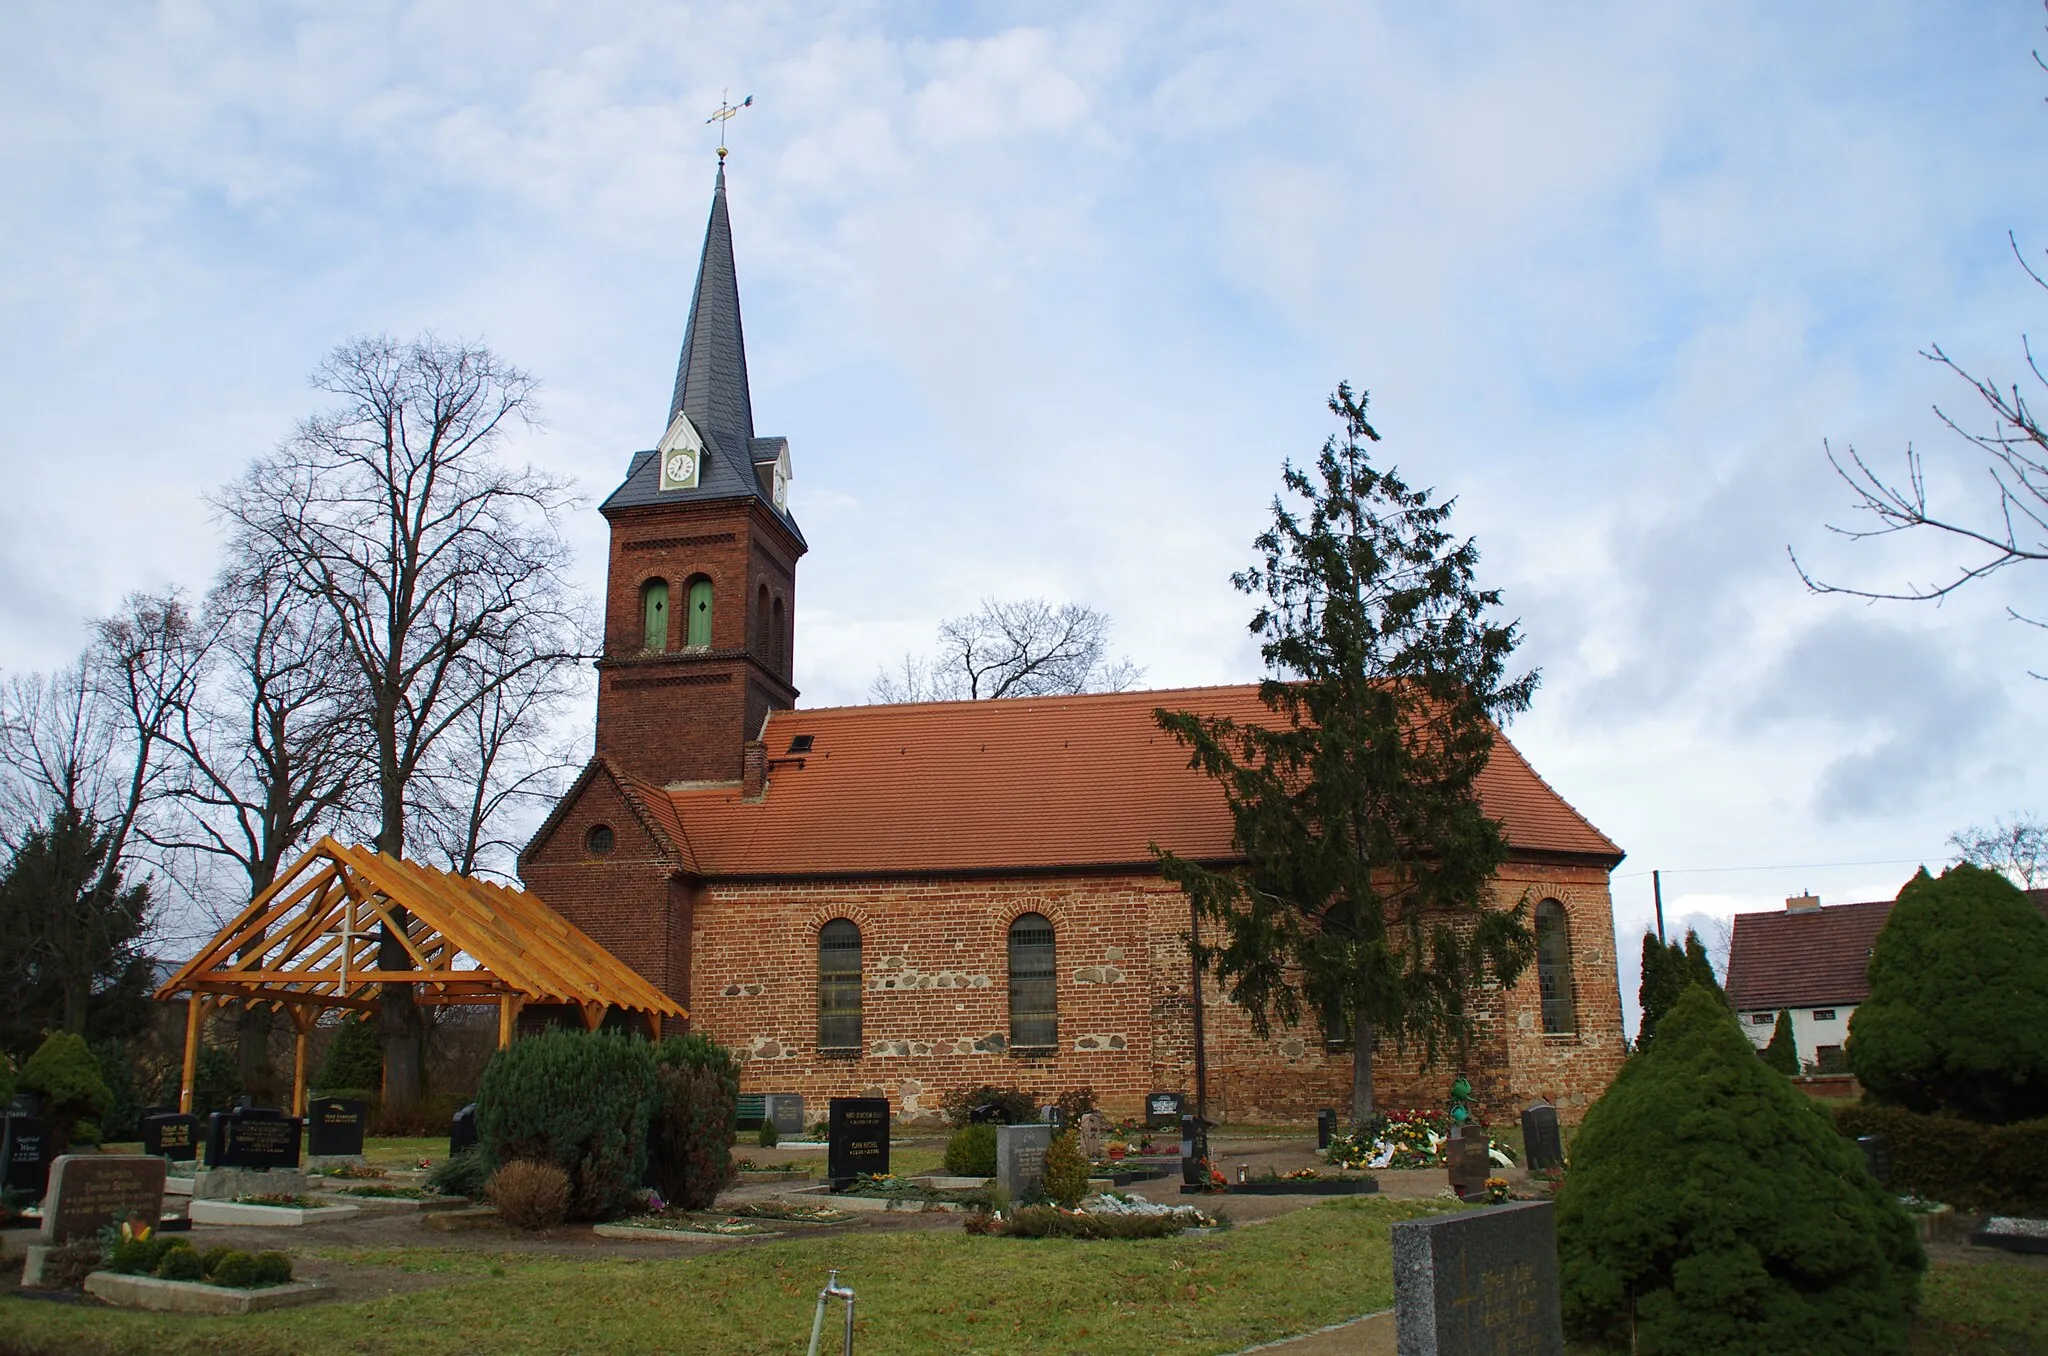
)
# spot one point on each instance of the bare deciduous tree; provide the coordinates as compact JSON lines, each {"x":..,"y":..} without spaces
{"x":1021,"y":648}
{"x":2016,"y":847}
{"x":442,"y":568}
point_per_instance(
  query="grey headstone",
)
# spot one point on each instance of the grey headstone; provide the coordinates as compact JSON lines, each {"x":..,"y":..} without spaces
{"x":1542,"y":1141}
{"x":786,"y":1112}
{"x":225,"y":1184}
{"x":1020,"y":1157}
{"x":90,"y":1191}
{"x":1089,"y":1133}
{"x":1470,"y":1163}
{"x":1481,"y":1281}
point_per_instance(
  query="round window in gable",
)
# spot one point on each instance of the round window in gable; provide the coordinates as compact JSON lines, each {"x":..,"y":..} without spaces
{"x":599,"y":839}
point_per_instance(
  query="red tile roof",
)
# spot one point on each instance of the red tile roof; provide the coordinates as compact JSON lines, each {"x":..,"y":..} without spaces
{"x":1020,"y":784}
{"x":1782,"y":959}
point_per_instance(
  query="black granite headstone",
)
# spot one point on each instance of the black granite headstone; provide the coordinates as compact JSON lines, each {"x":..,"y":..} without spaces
{"x":988,"y":1113}
{"x":1878,"y":1154}
{"x":252,"y":1138}
{"x":1162,"y":1110}
{"x":1054,"y":1117}
{"x":1542,"y":1143}
{"x":1326,"y":1127}
{"x":168,"y":1134}
{"x":1194,"y":1150}
{"x":26,"y":1104}
{"x":857,"y":1140}
{"x":462,"y":1130}
{"x":25,"y":1154}
{"x":335,"y":1126}
{"x":786,"y":1113}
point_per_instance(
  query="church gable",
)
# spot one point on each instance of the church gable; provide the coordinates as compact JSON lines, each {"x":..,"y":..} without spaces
{"x":609,"y":816}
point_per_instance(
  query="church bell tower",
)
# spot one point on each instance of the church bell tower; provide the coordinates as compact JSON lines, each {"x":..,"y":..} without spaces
{"x":700,"y":601}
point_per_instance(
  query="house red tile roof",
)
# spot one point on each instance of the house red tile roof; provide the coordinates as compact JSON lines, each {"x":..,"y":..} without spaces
{"x":1022,"y":783}
{"x":1783,"y":959}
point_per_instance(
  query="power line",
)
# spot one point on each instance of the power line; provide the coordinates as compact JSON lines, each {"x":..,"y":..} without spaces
{"x":1797,"y":866}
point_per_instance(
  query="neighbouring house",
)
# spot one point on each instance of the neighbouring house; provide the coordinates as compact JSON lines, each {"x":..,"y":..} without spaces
{"x":1809,"y":959}
{"x":908,"y":901}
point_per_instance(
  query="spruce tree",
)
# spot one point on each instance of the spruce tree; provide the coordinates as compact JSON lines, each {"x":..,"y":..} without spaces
{"x":1713,"y":1210}
{"x":1669,"y":969}
{"x":1782,"y":1053}
{"x":1364,"y":899}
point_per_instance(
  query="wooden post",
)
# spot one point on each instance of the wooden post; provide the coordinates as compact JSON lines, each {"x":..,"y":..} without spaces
{"x":508,"y":1019}
{"x":303,"y":1021}
{"x":593,"y":1015}
{"x":195,"y":1013}
{"x":654,"y":1027}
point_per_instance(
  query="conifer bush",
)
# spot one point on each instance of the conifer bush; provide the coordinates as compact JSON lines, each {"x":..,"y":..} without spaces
{"x":355,"y":1058}
{"x":1957,"y":1018}
{"x":1712,"y":1208}
{"x":64,"y":1072}
{"x":580,"y":1100}
{"x":1066,"y":1170}
{"x":971,"y":1152}
{"x":1782,"y":1053}
{"x":696,"y":1107}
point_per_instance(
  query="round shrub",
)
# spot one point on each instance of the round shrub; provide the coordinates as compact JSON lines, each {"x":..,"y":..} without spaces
{"x":696,"y":1097}
{"x":67,"y":1076}
{"x":1066,"y":1170}
{"x":273,"y":1268}
{"x":213,"y":1257}
{"x":140,"y":1256}
{"x":971,"y":1152}
{"x":180,"y":1263}
{"x":237,"y":1271}
{"x":580,"y":1100}
{"x":1711,"y":1208}
{"x":1957,"y":1018}
{"x":530,"y":1195}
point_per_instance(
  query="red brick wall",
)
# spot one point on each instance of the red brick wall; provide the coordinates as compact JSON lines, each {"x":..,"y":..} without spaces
{"x":680,"y":714}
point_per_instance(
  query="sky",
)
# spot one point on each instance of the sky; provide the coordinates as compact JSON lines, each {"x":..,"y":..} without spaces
{"x":1045,"y":295}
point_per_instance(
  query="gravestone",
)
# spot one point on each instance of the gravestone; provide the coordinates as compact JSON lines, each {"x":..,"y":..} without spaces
{"x":335,"y":1126}
{"x":26,"y":1104}
{"x":1089,"y":1133}
{"x":1542,"y":1143}
{"x":1194,"y":1151}
{"x":90,"y":1191}
{"x":252,"y":1138}
{"x":988,"y":1113}
{"x":1470,"y":1165}
{"x":1480,"y":1281}
{"x":786,"y":1114}
{"x":1162,"y":1110}
{"x":1020,"y":1158}
{"x":1878,"y":1155}
{"x":857,"y":1139}
{"x":462,"y":1130}
{"x":171,"y":1135}
{"x":25,"y":1154}
{"x":1326,"y":1127}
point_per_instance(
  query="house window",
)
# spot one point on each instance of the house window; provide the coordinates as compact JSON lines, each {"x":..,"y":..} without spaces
{"x":1034,"y":1016}
{"x":654,"y":615}
{"x":1761,"y":1019}
{"x":839,"y":986}
{"x":700,"y":614}
{"x":1823,"y":1014}
{"x":1828,"y":1059}
{"x":1554,"y":969}
{"x":599,"y":840}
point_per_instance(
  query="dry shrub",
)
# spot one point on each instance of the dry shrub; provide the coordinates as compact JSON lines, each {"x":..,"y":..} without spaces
{"x":530,"y":1195}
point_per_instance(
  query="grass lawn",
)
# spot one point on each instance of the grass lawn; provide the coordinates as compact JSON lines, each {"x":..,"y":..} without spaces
{"x":919,"y":1293}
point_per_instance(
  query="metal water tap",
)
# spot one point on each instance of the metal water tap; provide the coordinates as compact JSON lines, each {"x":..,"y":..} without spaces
{"x":833,"y":1290}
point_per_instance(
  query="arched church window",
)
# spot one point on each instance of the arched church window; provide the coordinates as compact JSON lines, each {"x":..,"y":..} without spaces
{"x":1554,"y":969}
{"x":1034,"y":1013}
{"x":839,"y":986}
{"x":778,"y":647}
{"x":699,"y":635}
{"x":654,"y":615}
{"x":761,"y":642}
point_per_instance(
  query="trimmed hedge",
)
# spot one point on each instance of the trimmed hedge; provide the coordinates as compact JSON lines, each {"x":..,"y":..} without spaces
{"x":581,"y":1100}
{"x":1995,"y":1168}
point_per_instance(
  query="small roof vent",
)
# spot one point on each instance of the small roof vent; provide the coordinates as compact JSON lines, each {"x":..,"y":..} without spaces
{"x":802,"y":743}
{"x":1808,"y":903}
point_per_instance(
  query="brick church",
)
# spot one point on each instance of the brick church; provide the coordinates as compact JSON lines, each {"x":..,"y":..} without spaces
{"x":906,"y":900}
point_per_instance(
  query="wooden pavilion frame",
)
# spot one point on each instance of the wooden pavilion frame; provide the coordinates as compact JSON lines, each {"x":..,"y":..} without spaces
{"x":311,"y":942}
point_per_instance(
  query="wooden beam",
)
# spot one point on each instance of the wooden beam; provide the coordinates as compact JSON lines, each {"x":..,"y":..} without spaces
{"x":508,"y":1018}
{"x":593,"y":1015}
{"x":301,"y":1022}
{"x":195,"y":1013}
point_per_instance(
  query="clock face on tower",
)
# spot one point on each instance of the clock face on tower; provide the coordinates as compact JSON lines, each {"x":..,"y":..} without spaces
{"x":681,"y":453}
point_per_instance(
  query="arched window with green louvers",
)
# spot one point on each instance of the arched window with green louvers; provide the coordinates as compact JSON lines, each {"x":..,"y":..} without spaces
{"x":654,"y":615}
{"x":839,"y":986}
{"x":1034,"y":984}
{"x":1554,"y":969}
{"x":700,"y":614}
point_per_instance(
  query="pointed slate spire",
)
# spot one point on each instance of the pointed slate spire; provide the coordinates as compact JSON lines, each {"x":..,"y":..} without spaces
{"x":711,"y":378}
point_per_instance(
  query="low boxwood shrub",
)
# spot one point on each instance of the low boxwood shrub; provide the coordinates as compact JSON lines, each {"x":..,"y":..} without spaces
{"x":1994,"y":1168}
{"x":237,"y":1271}
{"x":696,"y":1102}
{"x":530,"y":1195}
{"x":1712,"y":1209}
{"x":971,"y":1152}
{"x":1066,"y":1170}
{"x":179,"y":1263}
{"x":580,"y":1100}
{"x":273,"y":1268}
{"x":140,"y":1256}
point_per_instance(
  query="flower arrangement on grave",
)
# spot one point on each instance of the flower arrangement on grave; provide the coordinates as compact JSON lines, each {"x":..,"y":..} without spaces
{"x":1496,"y":1190}
{"x":1408,"y":1138}
{"x":1301,"y":1175}
{"x":1212,"y":1176}
{"x":1110,"y":1215}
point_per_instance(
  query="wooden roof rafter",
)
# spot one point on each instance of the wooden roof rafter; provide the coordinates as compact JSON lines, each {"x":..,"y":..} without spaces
{"x":315,"y":938}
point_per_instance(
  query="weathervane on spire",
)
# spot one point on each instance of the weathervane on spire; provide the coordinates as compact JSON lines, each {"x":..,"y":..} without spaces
{"x":725,"y":114}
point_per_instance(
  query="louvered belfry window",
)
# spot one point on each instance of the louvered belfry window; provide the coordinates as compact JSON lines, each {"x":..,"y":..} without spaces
{"x":1034,"y":1014}
{"x":1554,"y":969}
{"x":839,"y":986}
